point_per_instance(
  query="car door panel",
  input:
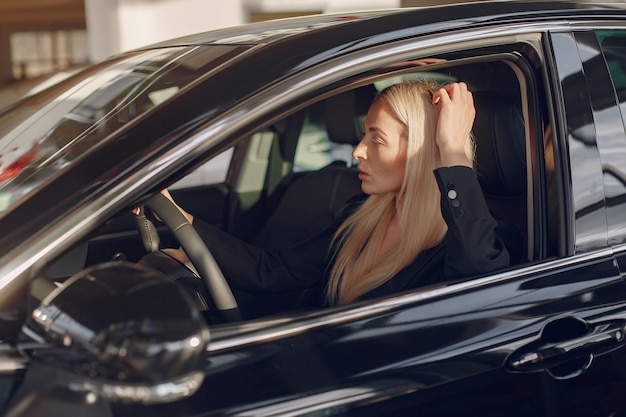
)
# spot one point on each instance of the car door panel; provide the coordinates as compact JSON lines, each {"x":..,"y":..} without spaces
{"x":523,"y":342}
{"x":436,"y":353}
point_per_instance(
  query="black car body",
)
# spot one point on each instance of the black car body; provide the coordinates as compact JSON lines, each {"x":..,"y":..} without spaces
{"x":544,"y":337}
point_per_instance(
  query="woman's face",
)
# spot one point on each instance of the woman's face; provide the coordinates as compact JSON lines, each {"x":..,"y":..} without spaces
{"x":382,"y":151}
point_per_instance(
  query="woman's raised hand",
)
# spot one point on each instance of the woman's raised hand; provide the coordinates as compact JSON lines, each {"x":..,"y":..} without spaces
{"x":456,"y":118}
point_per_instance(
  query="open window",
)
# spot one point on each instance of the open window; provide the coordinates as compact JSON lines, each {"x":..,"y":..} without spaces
{"x":310,"y":175}
{"x":332,"y":127}
{"x":290,"y":177}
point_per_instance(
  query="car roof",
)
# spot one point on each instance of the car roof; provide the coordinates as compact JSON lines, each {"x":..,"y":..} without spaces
{"x":419,"y":19}
{"x":277,"y":46}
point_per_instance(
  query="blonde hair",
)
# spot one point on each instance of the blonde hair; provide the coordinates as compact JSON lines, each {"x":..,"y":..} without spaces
{"x":357,"y":267}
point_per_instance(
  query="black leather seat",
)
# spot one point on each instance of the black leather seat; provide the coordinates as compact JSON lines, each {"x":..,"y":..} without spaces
{"x":311,"y":201}
{"x":500,"y":137}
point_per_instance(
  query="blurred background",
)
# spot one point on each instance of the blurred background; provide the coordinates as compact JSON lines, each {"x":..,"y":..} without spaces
{"x":42,"y":41}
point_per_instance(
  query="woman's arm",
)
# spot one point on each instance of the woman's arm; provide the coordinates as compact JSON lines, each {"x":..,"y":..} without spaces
{"x":253,"y":269}
{"x":475,"y":243}
{"x":456,"y":117}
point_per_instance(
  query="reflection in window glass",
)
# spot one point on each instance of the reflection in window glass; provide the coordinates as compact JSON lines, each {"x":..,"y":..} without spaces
{"x":315,"y":150}
{"x":613,"y":44}
{"x":48,"y":132}
{"x":212,"y":172}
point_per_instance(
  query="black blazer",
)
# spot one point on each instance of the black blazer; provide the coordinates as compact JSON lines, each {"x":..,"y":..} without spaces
{"x":475,"y":244}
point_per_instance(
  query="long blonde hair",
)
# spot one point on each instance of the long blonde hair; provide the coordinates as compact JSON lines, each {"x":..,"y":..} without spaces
{"x":357,"y":267}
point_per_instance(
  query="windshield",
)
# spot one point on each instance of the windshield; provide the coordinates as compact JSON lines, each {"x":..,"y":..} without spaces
{"x":45,"y":133}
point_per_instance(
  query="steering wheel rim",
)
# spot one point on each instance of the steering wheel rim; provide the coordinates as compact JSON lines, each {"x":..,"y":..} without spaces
{"x":199,"y":255}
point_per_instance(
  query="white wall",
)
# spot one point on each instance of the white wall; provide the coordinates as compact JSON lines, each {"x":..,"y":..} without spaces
{"x":115,"y":26}
{"x":353,"y":5}
{"x":166,"y":19}
{"x":103,"y":34}
{"x":326,"y":6}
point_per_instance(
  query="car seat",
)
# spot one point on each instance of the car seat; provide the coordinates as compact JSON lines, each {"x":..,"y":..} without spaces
{"x":500,"y":139}
{"x":311,"y":201}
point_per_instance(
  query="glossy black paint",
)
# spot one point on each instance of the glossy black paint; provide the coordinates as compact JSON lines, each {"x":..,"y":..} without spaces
{"x":116,"y":328}
{"x":413,"y":350}
{"x":584,"y":158}
{"x":464,"y":348}
{"x":140,"y":304}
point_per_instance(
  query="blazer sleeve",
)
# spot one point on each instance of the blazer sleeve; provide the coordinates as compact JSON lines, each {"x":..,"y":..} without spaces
{"x":257,"y":270}
{"x":475,"y":243}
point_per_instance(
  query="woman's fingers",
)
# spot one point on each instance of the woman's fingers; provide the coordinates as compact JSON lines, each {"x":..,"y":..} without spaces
{"x":456,"y":117}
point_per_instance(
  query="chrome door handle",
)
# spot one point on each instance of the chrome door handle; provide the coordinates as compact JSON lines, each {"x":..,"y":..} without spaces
{"x":567,"y":350}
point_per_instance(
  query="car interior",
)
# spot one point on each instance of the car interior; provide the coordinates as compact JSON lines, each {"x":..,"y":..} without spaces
{"x":308,"y":174}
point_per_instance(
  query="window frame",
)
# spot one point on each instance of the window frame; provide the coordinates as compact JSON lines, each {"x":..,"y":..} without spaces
{"x":528,"y":64}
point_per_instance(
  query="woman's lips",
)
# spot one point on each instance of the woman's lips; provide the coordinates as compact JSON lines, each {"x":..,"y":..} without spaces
{"x":362,"y":175}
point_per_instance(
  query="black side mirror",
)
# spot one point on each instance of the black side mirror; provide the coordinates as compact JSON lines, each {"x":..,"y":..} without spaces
{"x":116,"y":332}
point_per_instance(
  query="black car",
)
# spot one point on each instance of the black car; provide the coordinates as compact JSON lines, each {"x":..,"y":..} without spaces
{"x":251,"y":128}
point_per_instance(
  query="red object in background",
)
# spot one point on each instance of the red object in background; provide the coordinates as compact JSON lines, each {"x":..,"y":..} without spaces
{"x":16,"y":167}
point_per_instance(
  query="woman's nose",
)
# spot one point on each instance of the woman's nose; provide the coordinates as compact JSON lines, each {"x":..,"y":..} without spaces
{"x":359,"y":151}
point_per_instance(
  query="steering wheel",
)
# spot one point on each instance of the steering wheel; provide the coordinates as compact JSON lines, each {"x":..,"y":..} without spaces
{"x":197,"y":252}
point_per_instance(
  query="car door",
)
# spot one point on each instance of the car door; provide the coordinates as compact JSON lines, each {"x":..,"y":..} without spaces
{"x":542,"y":338}
{"x":520,"y":343}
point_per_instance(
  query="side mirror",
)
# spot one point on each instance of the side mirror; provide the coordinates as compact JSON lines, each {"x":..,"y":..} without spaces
{"x":118,"y":332}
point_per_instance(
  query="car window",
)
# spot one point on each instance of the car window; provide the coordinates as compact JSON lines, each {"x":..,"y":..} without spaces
{"x":613,"y":43}
{"x":315,"y":149}
{"x":51,"y":130}
{"x":331,"y":128}
{"x":610,"y":128}
{"x":211,"y":172}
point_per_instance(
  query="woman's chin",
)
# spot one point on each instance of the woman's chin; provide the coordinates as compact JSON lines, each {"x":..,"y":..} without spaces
{"x":368,"y":190}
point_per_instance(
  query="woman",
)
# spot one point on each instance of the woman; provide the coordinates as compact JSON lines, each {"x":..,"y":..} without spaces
{"x":425,"y":219}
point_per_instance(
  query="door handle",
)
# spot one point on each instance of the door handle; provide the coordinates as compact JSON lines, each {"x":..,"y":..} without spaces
{"x":566,"y":347}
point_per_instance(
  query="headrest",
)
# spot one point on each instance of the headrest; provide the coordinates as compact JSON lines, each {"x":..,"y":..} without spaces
{"x":344,"y":114}
{"x":500,"y":145}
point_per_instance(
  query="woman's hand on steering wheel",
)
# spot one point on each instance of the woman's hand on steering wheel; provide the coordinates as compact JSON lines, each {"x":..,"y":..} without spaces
{"x":180,"y":223}
{"x":137,"y":210}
